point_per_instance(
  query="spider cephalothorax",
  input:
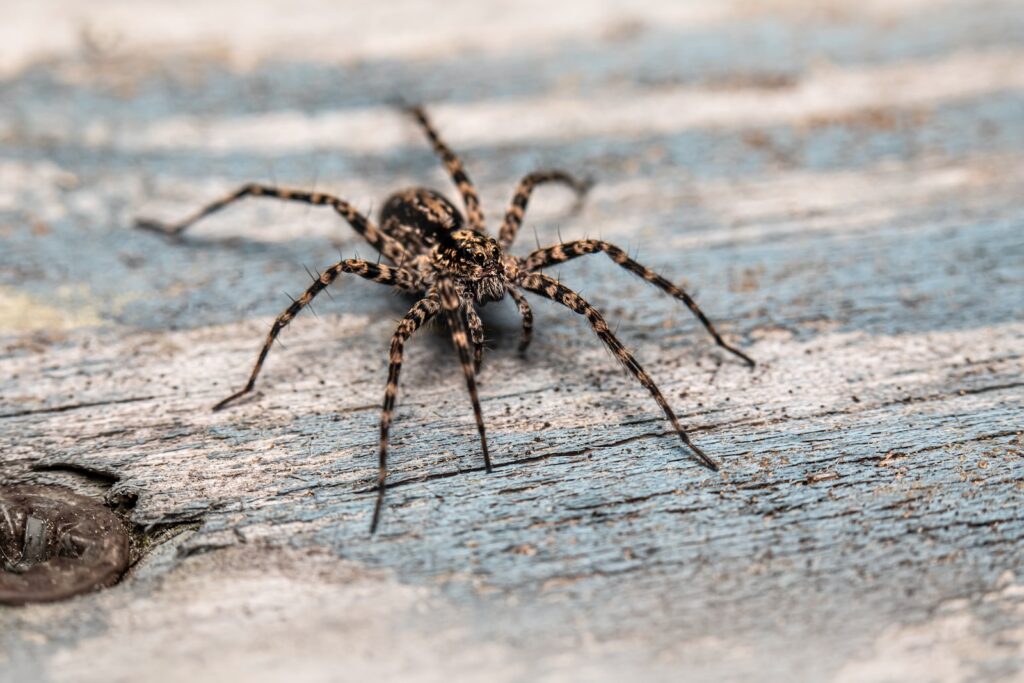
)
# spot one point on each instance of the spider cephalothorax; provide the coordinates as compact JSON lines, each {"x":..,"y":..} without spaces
{"x":452,"y":265}
{"x":475,"y":260}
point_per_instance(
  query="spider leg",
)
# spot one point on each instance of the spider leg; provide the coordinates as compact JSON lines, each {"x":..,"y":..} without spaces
{"x":452,"y":305}
{"x":527,"y":314}
{"x":383,"y":243}
{"x":424,"y":310}
{"x":552,"y":289}
{"x":560,"y":253}
{"x":516,"y":210}
{"x":476,"y":334}
{"x":452,"y":163}
{"x":385,"y":275}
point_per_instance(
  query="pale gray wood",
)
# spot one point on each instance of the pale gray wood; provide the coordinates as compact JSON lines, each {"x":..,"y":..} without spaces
{"x":867,"y":521}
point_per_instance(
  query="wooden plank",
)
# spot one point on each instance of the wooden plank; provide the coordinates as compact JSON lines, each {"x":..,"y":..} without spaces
{"x":847,"y":208}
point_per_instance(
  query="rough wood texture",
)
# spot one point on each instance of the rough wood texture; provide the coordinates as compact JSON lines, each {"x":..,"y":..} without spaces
{"x":841,"y":187}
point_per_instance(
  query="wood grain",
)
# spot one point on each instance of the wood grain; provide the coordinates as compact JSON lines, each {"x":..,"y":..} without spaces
{"x":841,"y":189}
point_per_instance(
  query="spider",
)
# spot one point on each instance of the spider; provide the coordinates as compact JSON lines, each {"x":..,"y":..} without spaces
{"x":452,"y":265}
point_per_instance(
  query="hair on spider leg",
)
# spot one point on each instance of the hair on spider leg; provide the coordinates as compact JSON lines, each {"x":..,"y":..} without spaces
{"x":319,"y":276}
{"x":312,"y":277}
{"x":428,"y":247}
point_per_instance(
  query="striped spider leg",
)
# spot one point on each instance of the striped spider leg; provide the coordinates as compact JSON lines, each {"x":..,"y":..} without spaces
{"x":549,"y":288}
{"x":560,"y":253}
{"x":452,"y":266}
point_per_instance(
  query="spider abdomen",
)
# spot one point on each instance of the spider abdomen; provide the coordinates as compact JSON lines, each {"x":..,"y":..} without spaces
{"x":450,"y":263}
{"x":419,"y":218}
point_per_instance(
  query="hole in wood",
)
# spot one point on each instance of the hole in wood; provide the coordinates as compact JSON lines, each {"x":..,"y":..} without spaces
{"x":55,"y":544}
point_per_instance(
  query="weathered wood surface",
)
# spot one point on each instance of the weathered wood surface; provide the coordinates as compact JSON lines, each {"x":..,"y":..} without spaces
{"x":842,"y":187}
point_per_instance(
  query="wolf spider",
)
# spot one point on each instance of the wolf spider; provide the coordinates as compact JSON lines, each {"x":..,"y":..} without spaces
{"x":453,"y":266}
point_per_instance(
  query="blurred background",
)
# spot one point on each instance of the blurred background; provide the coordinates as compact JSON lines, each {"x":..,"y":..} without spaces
{"x":840,"y":184}
{"x":701,"y":122}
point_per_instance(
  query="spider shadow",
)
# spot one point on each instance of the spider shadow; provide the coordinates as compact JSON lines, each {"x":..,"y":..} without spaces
{"x":238,"y":246}
{"x":221,"y":280}
{"x":502,"y":326}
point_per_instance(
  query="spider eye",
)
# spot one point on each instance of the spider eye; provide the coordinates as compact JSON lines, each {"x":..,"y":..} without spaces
{"x":479,"y":257}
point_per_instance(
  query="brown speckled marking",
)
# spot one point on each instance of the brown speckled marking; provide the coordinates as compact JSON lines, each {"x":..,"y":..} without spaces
{"x":454,"y":266}
{"x":526,"y":313}
{"x":452,"y":163}
{"x":385,"y":275}
{"x":542,"y":258}
{"x":451,"y":303}
{"x":476,"y":333}
{"x":542,"y":284}
{"x":424,"y":310}
{"x":517,"y":209}
{"x":389,"y":247}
